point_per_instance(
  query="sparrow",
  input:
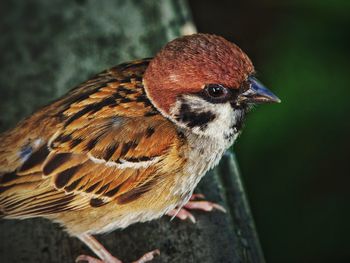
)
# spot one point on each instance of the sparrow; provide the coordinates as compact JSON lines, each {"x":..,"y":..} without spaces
{"x":130,"y":144}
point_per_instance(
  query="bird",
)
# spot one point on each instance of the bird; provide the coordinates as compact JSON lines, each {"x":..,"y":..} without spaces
{"x":131,"y":143}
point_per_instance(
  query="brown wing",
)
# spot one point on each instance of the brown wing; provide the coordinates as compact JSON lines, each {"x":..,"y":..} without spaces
{"x":107,"y":143}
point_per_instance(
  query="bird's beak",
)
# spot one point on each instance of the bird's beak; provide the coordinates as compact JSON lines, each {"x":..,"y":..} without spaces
{"x":257,"y":93}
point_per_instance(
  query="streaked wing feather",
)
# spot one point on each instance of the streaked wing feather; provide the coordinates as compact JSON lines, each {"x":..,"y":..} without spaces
{"x":106,"y":142}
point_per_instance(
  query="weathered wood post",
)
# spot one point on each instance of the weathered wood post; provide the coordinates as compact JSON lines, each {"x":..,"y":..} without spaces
{"x":47,"y":47}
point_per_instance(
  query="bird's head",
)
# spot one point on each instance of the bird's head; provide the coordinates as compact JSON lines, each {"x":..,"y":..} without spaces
{"x":204,"y":83}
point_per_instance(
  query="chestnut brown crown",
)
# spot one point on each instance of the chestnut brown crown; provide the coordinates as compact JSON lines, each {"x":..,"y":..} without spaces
{"x":185,"y":65}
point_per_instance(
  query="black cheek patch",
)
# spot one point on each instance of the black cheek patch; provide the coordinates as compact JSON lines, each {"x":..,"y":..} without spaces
{"x":194,"y":119}
{"x":241,"y":112}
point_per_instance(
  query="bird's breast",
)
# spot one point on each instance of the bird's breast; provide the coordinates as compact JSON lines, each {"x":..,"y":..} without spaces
{"x":204,"y":153}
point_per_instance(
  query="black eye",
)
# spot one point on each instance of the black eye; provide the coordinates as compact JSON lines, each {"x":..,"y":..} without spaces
{"x":216,"y":91}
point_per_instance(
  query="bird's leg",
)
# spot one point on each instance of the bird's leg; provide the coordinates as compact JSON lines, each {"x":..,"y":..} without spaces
{"x":104,"y":255}
{"x":195,"y":204}
{"x":98,"y":249}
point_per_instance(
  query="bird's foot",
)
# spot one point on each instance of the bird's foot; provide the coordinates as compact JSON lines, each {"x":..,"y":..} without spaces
{"x":90,"y":259}
{"x":148,"y":256}
{"x":145,"y":258}
{"x":104,"y":255}
{"x":194,"y":204}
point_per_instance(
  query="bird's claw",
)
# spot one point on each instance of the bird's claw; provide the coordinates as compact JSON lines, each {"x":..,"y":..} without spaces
{"x":206,"y":206}
{"x":148,"y":256}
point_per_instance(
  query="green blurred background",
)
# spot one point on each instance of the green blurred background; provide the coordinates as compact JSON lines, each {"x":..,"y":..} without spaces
{"x":294,"y":156}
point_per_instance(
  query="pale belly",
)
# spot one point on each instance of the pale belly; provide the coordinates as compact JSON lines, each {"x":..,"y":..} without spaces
{"x":204,"y":154}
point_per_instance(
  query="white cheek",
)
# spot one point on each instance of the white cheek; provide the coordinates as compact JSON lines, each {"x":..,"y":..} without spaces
{"x":222,"y":127}
{"x":224,"y":120}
